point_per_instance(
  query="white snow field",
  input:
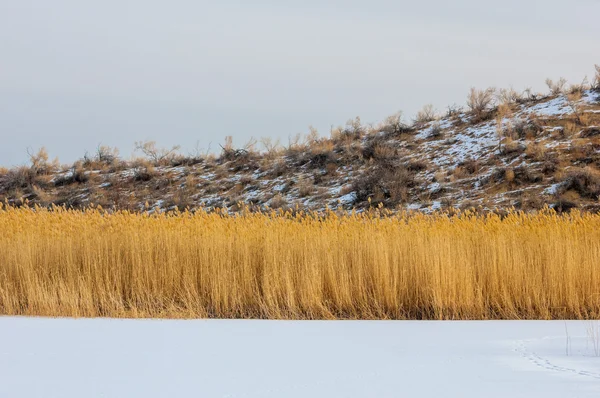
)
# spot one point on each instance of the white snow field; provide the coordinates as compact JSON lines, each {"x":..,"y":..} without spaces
{"x":210,"y":358}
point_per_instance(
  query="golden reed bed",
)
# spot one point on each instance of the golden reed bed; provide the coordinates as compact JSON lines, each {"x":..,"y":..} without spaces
{"x":93,"y":263}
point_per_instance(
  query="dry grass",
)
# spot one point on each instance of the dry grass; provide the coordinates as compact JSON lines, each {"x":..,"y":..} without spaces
{"x":182,"y":265}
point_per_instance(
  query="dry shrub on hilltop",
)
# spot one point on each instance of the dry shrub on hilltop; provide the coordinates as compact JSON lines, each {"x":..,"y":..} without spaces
{"x":508,"y":96}
{"x":556,"y":87}
{"x":158,"y":156}
{"x":425,"y":115}
{"x":479,"y":102}
{"x":596,"y":80}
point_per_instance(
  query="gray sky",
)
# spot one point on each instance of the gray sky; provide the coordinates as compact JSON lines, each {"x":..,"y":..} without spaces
{"x":75,"y":74}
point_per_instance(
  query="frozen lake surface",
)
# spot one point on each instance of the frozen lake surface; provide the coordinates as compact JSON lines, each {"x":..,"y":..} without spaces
{"x":70,"y":358}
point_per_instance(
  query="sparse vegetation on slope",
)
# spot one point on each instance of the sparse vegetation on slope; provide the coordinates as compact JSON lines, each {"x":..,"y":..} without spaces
{"x":506,"y":149}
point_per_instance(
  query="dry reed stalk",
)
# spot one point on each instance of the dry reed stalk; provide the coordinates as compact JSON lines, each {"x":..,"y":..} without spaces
{"x":282,"y":266}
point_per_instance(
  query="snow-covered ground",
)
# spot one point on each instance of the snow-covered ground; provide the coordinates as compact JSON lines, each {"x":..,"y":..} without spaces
{"x":207,"y":358}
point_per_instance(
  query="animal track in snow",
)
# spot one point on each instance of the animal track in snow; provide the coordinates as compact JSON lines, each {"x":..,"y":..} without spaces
{"x":544,"y":363}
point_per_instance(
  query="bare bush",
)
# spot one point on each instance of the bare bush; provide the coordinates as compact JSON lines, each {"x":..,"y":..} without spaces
{"x":295,"y":148}
{"x":275,"y":168}
{"x":581,"y":151}
{"x":454,"y":110}
{"x":528,"y":200}
{"x":393,"y":125}
{"x":41,"y":197}
{"x":425,"y":115}
{"x":17,"y":178}
{"x":596,"y":80}
{"x":38,"y":173}
{"x":198,"y":155}
{"x":479,"y":102}
{"x":550,"y":164}
{"x":278,"y":202}
{"x":272,"y":147}
{"x":530,"y":95}
{"x":104,"y":158}
{"x":524,"y":128}
{"x":417,"y":166}
{"x":385,"y":185}
{"x":515,"y":176}
{"x":305,"y":188}
{"x":243,"y":158}
{"x":578,"y":89}
{"x":76,"y":175}
{"x":508,"y":96}
{"x":471,"y":166}
{"x":335,"y":133}
{"x":379,"y":150}
{"x":436,"y":132}
{"x":564,"y":205}
{"x":352,"y":131}
{"x":159,"y":156}
{"x":40,"y":163}
{"x":250,"y":145}
{"x":536,"y":151}
{"x":312,"y":136}
{"x":586,"y":182}
{"x":556,"y":87}
{"x":458,"y":173}
{"x":331,"y":169}
{"x":320,"y":154}
{"x":106,"y":154}
{"x":228,"y":144}
{"x":295,"y":142}
{"x":181,"y":200}
{"x":144,"y":171}
{"x":511,"y":148}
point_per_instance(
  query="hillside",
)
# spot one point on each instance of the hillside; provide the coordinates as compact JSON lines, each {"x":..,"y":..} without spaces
{"x":503,"y":150}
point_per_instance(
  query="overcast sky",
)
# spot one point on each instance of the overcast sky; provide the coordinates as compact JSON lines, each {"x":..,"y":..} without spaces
{"x":75,"y":74}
